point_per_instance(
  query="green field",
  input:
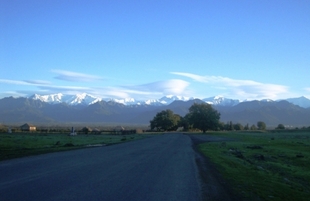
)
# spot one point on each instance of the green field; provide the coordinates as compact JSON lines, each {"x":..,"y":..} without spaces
{"x":259,"y":165}
{"x":16,"y":145}
{"x":264,"y":165}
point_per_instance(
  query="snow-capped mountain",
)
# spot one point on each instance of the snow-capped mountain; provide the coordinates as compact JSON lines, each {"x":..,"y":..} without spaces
{"x":219,"y":100}
{"x":84,"y":99}
{"x":78,"y":99}
{"x":52,"y":98}
{"x":17,"y":110}
{"x":267,"y":100}
{"x":87,"y":99}
{"x":301,"y":101}
{"x":166,"y":100}
{"x":126,"y":101}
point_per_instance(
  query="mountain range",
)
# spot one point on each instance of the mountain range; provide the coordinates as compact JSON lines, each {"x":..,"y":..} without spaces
{"x":59,"y":108}
{"x":87,"y":99}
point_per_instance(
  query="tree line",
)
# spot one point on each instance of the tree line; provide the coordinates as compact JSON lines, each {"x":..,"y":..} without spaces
{"x":201,"y":116}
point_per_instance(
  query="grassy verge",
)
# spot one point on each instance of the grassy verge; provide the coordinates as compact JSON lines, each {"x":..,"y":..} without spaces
{"x":24,"y":144}
{"x":264,"y":166}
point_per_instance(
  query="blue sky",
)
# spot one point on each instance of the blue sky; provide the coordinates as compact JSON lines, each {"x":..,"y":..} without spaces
{"x":148,"y":49}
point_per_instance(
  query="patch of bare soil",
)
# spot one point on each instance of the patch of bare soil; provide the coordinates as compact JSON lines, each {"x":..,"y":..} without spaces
{"x":213,"y":185}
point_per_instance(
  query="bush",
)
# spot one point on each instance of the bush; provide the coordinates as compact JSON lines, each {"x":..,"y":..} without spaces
{"x":280,"y":126}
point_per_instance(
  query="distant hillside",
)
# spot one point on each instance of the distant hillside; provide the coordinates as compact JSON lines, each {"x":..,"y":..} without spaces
{"x":21,"y":110}
{"x":87,"y":99}
{"x":272,"y":113}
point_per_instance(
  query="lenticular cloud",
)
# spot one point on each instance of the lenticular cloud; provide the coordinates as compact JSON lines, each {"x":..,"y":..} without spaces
{"x":74,"y":77}
{"x":173,"y":86}
{"x":241,"y":88}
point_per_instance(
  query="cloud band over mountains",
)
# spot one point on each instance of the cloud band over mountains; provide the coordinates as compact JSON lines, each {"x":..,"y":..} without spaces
{"x":247,"y":89}
{"x":74,"y":76}
{"x":96,"y":85}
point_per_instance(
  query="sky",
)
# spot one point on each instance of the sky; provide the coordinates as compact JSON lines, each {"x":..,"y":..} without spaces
{"x":242,"y":49}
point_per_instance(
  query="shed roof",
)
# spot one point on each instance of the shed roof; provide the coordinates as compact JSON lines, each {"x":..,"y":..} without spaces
{"x":27,"y":125}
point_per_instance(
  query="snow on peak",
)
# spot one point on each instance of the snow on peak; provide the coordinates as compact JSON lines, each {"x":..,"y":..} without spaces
{"x":52,"y":98}
{"x":220,"y":100}
{"x":84,"y":99}
{"x":125,"y":101}
{"x":166,"y":100}
{"x":267,"y":100}
{"x":87,"y":99}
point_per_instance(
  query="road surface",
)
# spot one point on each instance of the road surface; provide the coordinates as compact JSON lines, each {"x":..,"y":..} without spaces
{"x":158,"y":168}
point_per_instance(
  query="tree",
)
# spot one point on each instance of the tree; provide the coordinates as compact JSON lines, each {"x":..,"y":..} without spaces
{"x":238,"y":127}
{"x":165,"y":120}
{"x":261,"y":125}
{"x":231,"y":126}
{"x":184,"y":123}
{"x":221,"y":126}
{"x":280,"y":126}
{"x":253,"y":128}
{"x":86,"y":130}
{"x":228,"y":126}
{"x":203,"y":116}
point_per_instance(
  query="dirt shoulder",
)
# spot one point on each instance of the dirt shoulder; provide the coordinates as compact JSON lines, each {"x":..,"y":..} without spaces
{"x":213,"y":185}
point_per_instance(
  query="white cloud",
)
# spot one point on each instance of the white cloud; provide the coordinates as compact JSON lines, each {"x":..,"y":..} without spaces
{"x":167,"y":87}
{"x":74,"y":76}
{"x":307,"y":89}
{"x":64,"y":89}
{"x":15,"y":82}
{"x":25,"y":82}
{"x":242,"y":89}
{"x":38,"y":82}
{"x":141,"y":91}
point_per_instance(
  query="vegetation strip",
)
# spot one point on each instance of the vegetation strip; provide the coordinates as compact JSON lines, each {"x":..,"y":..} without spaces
{"x":264,"y":165}
{"x":16,"y":145}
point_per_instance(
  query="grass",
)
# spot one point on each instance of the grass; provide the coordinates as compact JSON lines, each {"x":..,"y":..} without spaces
{"x":264,"y":166}
{"x":16,"y":145}
{"x":259,"y":165}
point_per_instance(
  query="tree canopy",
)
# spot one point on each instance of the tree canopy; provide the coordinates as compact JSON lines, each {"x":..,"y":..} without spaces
{"x":202,"y":116}
{"x":280,"y":126}
{"x":261,"y":125}
{"x":238,"y":127}
{"x":165,"y":120}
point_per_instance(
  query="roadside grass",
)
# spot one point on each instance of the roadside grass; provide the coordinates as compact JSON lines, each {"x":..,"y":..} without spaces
{"x":264,"y":166}
{"x":16,"y":145}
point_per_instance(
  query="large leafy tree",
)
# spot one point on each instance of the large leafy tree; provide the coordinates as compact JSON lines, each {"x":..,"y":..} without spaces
{"x":202,"y":116}
{"x":261,"y":125}
{"x":238,"y":127}
{"x":253,"y":127}
{"x":165,"y":120}
{"x":280,"y":126}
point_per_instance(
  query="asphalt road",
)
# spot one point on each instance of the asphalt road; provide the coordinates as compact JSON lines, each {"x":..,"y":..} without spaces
{"x":157,"y":168}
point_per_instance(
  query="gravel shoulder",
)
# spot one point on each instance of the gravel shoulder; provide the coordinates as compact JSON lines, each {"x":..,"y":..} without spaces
{"x":213,"y":185}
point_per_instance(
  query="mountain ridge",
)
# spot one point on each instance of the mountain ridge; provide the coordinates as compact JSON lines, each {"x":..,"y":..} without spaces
{"x":21,"y":110}
{"x":87,"y":99}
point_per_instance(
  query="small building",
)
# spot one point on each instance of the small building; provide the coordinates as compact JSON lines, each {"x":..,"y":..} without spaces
{"x":28,"y":127}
